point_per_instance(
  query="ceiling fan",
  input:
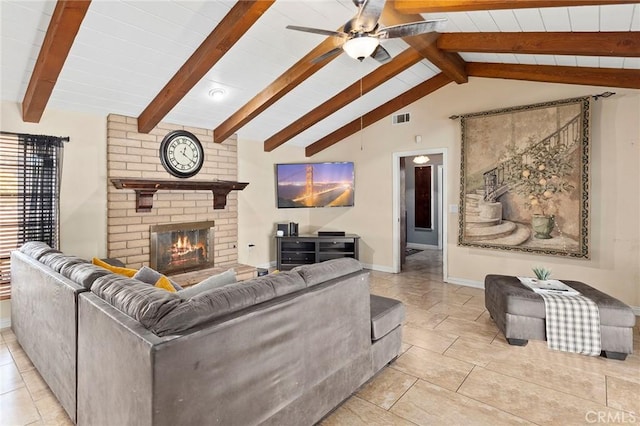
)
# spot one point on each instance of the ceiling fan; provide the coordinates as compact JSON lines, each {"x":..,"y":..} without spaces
{"x":361,"y":35}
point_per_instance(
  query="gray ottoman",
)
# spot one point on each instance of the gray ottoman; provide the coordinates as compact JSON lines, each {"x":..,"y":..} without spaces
{"x":387,"y":316}
{"x":520,"y":314}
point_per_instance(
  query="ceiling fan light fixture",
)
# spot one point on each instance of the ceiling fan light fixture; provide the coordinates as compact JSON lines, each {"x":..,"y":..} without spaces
{"x":360,"y":46}
{"x":421,"y":159}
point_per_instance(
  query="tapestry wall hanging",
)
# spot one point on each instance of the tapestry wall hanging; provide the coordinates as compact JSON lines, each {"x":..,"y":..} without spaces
{"x":524,"y":179}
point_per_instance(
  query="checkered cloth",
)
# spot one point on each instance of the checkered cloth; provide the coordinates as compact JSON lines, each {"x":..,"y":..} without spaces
{"x":573,"y":324}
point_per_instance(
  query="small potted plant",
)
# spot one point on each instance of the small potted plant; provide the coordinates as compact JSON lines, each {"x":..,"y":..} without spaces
{"x":542,"y":274}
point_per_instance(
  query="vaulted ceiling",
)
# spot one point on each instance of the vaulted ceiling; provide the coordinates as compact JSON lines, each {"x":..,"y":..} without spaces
{"x":159,"y":60}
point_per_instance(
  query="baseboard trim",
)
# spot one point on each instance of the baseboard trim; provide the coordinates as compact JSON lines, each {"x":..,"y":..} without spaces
{"x":5,"y":323}
{"x":378,"y":268}
{"x":465,"y":282}
{"x":418,"y":246}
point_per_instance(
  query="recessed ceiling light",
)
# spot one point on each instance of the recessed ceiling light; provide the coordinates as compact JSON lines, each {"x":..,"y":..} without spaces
{"x":216,"y":94}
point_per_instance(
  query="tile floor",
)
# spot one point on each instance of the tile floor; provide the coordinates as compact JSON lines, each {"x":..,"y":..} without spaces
{"x":455,"y":369}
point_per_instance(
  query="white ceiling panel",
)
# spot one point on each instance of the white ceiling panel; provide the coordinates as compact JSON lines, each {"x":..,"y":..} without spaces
{"x":526,"y":59}
{"x":586,"y":18}
{"x":507,"y":58}
{"x":529,"y":19}
{"x":545,"y":60}
{"x":506,"y":20}
{"x":617,"y":17}
{"x":635,"y":22}
{"x":462,"y":21}
{"x":484,"y":21}
{"x":566,"y":61}
{"x":631,"y":63}
{"x":587,"y":61}
{"x":606,"y":62}
{"x":555,"y":19}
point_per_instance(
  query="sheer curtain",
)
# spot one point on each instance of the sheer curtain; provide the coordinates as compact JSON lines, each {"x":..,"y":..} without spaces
{"x":30,"y":171}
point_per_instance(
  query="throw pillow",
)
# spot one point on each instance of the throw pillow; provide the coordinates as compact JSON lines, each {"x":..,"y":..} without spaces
{"x":163,"y":283}
{"x":214,"y":281}
{"x":127,"y":272}
{"x":151,"y":276}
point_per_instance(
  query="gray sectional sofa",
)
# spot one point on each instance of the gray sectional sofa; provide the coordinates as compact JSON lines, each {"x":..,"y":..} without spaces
{"x":281,"y":349}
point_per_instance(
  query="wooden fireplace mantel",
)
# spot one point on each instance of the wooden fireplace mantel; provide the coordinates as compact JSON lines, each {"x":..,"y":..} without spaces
{"x":145,"y":188}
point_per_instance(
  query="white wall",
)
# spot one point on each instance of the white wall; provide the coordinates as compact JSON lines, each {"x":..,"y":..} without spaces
{"x":83,"y":196}
{"x":614,"y":266}
{"x":257,"y":210}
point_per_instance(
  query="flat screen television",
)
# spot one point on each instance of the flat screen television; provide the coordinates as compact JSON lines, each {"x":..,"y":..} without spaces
{"x":315,"y":185}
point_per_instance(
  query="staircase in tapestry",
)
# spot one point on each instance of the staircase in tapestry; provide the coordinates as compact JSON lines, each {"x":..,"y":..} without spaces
{"x":483,"y":210}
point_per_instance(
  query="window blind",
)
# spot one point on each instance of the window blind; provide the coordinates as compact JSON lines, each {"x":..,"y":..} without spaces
{"x":30,"y":168}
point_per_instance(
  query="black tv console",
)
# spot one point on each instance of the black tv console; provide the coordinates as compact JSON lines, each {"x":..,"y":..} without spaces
{"x":308,"y":249}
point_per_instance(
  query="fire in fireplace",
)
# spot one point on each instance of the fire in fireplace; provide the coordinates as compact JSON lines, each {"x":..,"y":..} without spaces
{"x":181,"y":247}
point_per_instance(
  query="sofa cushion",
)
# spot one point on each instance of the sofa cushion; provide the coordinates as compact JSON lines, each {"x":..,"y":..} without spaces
{"x":84,"y":274}
{"x":325,"y":271}
{"x":36,"y":249}
{"x":139,"y":300}
{"x":214,"y":281}
{"x":151,"y":276}
{"x":57,"y":261}
{"x":221,"y":301}
{"x":386,"y":314}
{"x":126,"y":272}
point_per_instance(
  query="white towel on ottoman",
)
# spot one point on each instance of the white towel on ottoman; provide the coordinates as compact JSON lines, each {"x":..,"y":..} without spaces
{"x":573,"y":323}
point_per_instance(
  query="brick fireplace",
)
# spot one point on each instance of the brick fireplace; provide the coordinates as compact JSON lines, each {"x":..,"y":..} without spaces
{"x":135,"y":155}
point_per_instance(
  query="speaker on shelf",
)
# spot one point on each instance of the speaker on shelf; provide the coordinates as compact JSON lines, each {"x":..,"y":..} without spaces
{"x":293,"y":229}
{"x":283,"y":228}
{"x":331,"y":234}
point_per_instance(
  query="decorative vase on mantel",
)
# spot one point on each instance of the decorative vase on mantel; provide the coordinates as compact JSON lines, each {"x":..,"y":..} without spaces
{"x":542,"y":226}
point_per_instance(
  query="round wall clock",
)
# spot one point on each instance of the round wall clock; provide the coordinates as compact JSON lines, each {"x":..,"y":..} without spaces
{"x":181,"y":154}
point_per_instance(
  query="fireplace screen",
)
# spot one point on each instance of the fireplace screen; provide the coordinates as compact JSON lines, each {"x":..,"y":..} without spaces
{"x":181,"y":247}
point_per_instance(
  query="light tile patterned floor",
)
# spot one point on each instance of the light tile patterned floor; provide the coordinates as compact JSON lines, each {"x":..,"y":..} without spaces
{"x":456,"y":368}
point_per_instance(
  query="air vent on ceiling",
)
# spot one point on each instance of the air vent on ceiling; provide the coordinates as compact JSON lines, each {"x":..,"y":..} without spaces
{"x":401,"y":118}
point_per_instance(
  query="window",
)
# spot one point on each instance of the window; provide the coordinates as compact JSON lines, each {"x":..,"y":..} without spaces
{"x":30,"y":168}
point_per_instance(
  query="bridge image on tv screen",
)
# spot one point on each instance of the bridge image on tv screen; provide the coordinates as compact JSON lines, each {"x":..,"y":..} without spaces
{"x":315,"y":185}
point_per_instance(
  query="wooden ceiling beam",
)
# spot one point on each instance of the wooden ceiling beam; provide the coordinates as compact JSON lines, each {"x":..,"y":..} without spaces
{"x":621,"y":44}
{"x":431,"y":6}
{"x":607,"y":77}
{"x":63,"y":28}
{"x":401,"y":62}
{"x":232,"y":27}
{"x":407,"y":98}
{"x":449,"y":63}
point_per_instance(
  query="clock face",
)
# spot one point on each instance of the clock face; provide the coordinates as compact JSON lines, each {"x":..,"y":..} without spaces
{"x":181,"y":154}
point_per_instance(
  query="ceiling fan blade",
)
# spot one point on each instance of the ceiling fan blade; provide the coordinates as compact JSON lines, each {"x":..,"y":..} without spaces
{"x":380,"y":54}
{"x":332,"y":52}
{"x":366,"y":20}
{"x":414,"y":28}
{"x":317,"y":31}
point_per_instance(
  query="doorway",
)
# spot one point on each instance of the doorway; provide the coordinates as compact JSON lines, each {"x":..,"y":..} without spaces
{"x":421,"y":225}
